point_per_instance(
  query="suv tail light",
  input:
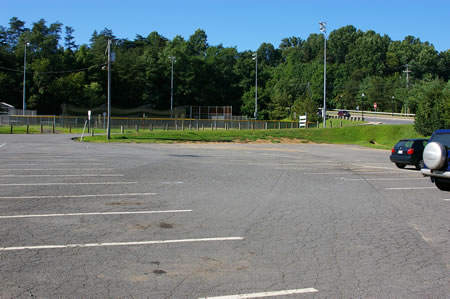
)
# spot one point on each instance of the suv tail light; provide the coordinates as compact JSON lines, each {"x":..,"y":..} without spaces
{"x":393,"y":150}
{"x":410,"y":151}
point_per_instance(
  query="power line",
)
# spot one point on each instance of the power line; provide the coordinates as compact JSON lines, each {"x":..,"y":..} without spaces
{"x":54,"y":72}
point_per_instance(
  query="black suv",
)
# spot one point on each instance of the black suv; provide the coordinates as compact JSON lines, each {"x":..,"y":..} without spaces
{"x":409,"y":152}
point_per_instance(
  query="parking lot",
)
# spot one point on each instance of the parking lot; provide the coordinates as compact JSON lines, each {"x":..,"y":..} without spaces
{"x":213,"y":220}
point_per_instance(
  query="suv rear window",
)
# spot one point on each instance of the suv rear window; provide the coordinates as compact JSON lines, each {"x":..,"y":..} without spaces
{"x":443,"y":138}
{"x":405,"y":143}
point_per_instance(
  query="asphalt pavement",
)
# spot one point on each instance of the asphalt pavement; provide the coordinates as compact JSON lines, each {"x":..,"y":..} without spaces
{"x":212,"y":220}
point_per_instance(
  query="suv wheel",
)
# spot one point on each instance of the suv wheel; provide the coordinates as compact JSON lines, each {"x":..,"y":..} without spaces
{"x":420,"y":165}
{"x":399,"y":165}
{"x":442,"y":185}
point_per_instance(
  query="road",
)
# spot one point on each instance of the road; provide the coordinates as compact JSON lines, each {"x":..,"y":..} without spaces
{"x":210,"y":220}
{"x":387,"y":120}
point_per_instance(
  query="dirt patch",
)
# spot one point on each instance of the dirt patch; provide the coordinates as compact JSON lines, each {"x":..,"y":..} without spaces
{"x":247,"y":141}
{"x":274,"y":140}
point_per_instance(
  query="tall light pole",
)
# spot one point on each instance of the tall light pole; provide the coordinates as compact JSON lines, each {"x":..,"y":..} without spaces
{"x":24,"y":104}
{"x":172,"y":58}
{"x":362,"y":106}
{"x":393,"y":105}
{"x":255,"y":58}
{"x":323,"y":28}
{"x":108,"y":129}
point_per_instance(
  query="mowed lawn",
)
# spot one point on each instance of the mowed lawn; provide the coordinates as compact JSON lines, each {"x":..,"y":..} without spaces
{"x":376,"y":136}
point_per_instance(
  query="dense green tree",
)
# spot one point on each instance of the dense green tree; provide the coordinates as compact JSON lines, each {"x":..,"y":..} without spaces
{"x":290,"y":77}
{"x":433,"y":106}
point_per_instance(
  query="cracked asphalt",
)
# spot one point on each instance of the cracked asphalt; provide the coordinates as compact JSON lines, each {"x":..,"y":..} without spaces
{"x":310,"y":215}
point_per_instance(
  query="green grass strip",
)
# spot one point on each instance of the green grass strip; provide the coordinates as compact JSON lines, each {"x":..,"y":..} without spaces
{"x":375,"y":136}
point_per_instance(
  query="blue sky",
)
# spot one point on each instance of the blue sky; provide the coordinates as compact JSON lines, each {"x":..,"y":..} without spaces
{"x":244,"y":24}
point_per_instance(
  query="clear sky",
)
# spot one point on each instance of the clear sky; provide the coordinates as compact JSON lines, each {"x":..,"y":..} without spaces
{"x":244,"y":24}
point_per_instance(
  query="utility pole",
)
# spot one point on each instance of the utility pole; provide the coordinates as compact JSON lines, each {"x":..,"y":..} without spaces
{"x":407,"y":75}
{"x":407,"y":86}
{"x":323,"y":28}
{"x":255,"y":58}
{"x":24,"y":105}
{"x":172,"y":58}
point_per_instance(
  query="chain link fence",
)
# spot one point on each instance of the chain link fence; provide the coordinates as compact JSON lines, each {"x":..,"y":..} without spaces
{"x":100,"y":122}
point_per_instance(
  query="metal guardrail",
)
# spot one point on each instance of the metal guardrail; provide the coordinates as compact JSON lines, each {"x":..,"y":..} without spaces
{"x":377,"y":113}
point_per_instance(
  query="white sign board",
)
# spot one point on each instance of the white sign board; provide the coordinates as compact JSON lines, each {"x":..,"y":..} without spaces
{"x":89,"y":114}
{"x":302,"y":121}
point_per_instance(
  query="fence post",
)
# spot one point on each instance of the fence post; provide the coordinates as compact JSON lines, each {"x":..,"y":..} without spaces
{"x":70,"y":129}
{"x":212,"y":127}
{"x":341,"y":123}
{"x":239,"y":126}
{"x":121,"y":129}
{"x":53,"y":128}
{"x":11,"y":129}
{"x":331,"y":124}
{"x":42,"y":129}
{"x":151,"y":127}
{"x":92,"y":132}
{"x":28,"y":129}
{"x":137,"y":128}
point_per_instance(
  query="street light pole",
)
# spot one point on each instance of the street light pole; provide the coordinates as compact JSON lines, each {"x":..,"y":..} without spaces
{"x":172,"y":58}
{"x":323,"y":28}
{"x":362,"y":107}
{"x":108,"y":130}
{"x":393,"y":105}
{"x":24,"y":104}
{"x":255,"y":58}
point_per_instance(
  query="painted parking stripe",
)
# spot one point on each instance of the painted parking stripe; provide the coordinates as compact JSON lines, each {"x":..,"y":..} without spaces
{"x":379,"y":179}
{"x":77,"y":196}
{"x":54,"y":169}
{"x":351,"y":172}
{"x":446,"y":199}
{"x":53,"y":164}
{"x":2,"y":145}
{"x":120,"y":243}
{"x":59,"y":184}
{"x":411,"y":188}
{"x":94,"y":214}
{"x":58,"y":175}
{"x":266,"y":294}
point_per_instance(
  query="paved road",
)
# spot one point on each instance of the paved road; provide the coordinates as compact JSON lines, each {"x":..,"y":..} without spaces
{"x":193,"y":220}
{"x":386,"y":120}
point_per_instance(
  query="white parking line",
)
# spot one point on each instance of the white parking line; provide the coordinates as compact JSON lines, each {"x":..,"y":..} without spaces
{"x":266,"y":294}
{"x":53,"y":169}
{"x":58,"y":175}
{"x":351,"y":172}
{"x":379,"y":179}
{"x":446,"y":199}
{"x":77,"y":196}
{"x":370,"y":166}
{"x":56,"y":184}
{"x":2,"y":145}
{"x":411,"y":188}
{"x":121,"y":243}
{"x":52,"y":164}
{"x":95,"y":214}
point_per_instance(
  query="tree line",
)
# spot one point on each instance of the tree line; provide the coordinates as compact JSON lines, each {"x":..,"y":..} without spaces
{"x":400,"y":76}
